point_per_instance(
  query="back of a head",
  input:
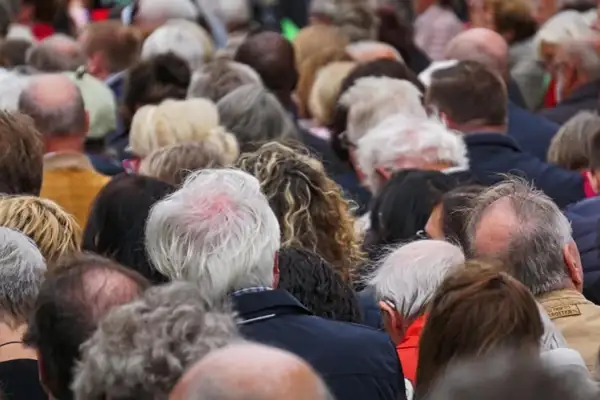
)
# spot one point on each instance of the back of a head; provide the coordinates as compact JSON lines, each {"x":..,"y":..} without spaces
{"x":316,"y":38}
{"x":154,"y":12}
{"x":115,"y":227}
{"x":236,"y":372}
{"x":356,"y":18}
{"x":119,"y":44}
{"x":571,"y":147}
{"x":57,"y":53}
{"x":562,"y":26}
{"x":14,"y":52}
{"x":54,"y":231}
{"x":314,"y":282}
{"x":476,"y":311}
{"x":226,"y":212}
{"x":71,"y":302}
{"x":234,"y":12}
{"x":221,"y":77}
{"x":514,"y":19}
{"x":167,"y":329}
{"x":56,"y":105}
{"x":456,"y":206}
{"x":23,"y":148}
{"x":369,"y":50}
{"x":325,"y":91}
{"x":480,"y":45}
{"x":470,"y":95}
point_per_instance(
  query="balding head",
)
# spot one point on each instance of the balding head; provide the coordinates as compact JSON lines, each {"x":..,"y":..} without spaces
{"x":56,"y":106}
{"x":56,"y":53}
{"x":237,"y":372}
{"x":272,"y":56}
{"x":481,"y":45}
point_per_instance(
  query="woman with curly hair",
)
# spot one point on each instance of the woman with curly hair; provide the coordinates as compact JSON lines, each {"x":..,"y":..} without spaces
{"x":309,"y":206}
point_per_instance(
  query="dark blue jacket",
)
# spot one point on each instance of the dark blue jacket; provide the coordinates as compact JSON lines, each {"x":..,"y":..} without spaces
{"x":493,"y":154}
{"x":370,"y":309}
{"x":585,"y":220}
{"x":532,"y":132}
{"x":584,"y":98}
{"x":356,"y":362}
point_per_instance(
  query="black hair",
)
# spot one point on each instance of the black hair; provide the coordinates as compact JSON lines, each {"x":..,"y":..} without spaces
{"x":67,"y":312}
{"x":115,"y":227}
{"x":317,"y":286}
{"x":455,"y":207}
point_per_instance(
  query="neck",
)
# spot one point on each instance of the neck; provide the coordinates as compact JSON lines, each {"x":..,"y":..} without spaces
{"x":14,"y":351}
{"x":65,"y":144}
{"x":468,"y":129}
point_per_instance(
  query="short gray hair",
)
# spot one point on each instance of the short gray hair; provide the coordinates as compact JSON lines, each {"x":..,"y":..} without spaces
{"x":255,"y":116}
{"x":233,"y":11}
{"x":13,"y":84}
{"x":584,"y":55}
{"x":141,"y":349}
{"x":22,"y":270}
{"x":217,"y":230}
{"x":533,"y":253}
{"x":571,"y":147}
{"x":411,"y":274}
{"x":160,"y":10}
{"x":57,"y":53}
{"x":219,"y":78}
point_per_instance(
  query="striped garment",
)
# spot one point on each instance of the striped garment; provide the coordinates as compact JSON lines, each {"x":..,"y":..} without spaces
{"x":434,"y":29}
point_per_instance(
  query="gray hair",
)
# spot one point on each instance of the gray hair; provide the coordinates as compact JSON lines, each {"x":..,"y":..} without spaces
{"x":22,"y":270}
{"x":255,"y":116}
{"x":583,"y":53}
{"x":233,"y":11}
{"x":57,"y":53}
{"x":571,"y":147}
{"x":183,"y":38}
{"x":52,"y":118}
{"x":160,"y":10}
{"x":411,"y":274}
{"x":13,"y":84}
{"x":219,"y":78}
{"x":217,"y":230}
{"x":141,"y":349}
{"x":533,"y":251}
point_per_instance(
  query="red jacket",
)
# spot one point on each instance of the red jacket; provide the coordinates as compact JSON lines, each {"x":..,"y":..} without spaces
{"x":408,"y":350}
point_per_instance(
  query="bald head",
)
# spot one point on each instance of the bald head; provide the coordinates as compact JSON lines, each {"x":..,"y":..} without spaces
{"x":237,"y":372}
{"x":481,"y":45}
{"x":56,"y":106}
{"x":56,"y":53}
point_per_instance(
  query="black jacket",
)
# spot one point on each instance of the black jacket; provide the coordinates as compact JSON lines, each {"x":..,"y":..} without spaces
{"x":356,"y":362}
{"x":584,"y":98}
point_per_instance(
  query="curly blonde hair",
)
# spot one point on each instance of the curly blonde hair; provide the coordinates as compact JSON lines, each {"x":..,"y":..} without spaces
{"x":54,"y":231}
{"x":309,"y":205}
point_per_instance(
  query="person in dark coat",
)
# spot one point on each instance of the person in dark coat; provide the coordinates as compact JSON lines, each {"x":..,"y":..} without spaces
{"x":533,"y":133}
{"x":578,"y":64}
{"x":472,"y":100}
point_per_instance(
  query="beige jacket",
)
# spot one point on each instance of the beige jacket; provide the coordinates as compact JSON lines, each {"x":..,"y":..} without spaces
{"x":578,"y":319}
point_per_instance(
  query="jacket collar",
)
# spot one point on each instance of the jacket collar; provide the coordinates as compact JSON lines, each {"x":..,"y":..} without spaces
{"x":67,"y":160}
{"x":585,"y":92}
{"x":259,"y":305}
{"x":491,"y":139}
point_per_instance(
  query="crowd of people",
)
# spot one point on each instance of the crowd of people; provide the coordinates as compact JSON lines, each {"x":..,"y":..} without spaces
{"x":300,"y":200}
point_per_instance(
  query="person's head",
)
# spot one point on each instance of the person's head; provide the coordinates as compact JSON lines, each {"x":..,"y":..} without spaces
{"x":355,"y":18}
{"x":469,"y":97}
{"x":272,"y":56}
{"x":526,"y":231}
{"x":236,"y":14}
{"x":23,"y":147}
{"x":115,"y":226}
{"x":314,"y":39}
{"x":22,"y":268}
{"x":54,"y":231}
{"x":571,"y":147}
{"x":185,"y":39}
{"x":407,"y":279}
{"x":477,"y":310}
{"x":55,"y":104}
{"x":310,"y":207}
{"x":174,"y":163}
{"x":448,"y":220}
{"x":150,"y":14}
{"x":255,"y":116}
{"x":37,"y":11}
{"x":404,"y":142}
{"x":218,"y":230}
{"x":576,"y":63}
{"x":370,"y":50}
{"x":314,"y":282}
{"x":72,"y":300}
{"x":14,"y":53}
{"x":57,"y":53}
{"x":178,"y":122}
{"x":480,"y":45}
{"x":165,"y":331}
{"x":513,"y":19}
{"x":237,"y":372}
{"x":152,"y":81}
{"x":219,"y":78}
{"x":13,"y":84}
{"x":325,"y":90}
{"x":110,"y":47}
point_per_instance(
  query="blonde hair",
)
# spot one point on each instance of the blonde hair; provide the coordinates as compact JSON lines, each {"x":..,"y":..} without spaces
{"x":325,"y":90}
{"x":316,"y":38}
{"x":177,"y":122}
{"x":54,"y":231}
{"x":311,"y":210}
{"x":174,"y":163}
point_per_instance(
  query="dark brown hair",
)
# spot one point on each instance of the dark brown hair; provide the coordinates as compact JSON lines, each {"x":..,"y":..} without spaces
{"x":476,"y":310}
{"x":456,"y":205}
{"x":21,"y":163}
{"x":120,"y":44}
{"x":43,"y":10}
{"x":469,"y":93}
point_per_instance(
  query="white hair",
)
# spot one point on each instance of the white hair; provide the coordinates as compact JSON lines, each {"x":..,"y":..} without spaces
{"x":218,"y":230}
{"x":231,"y":11}
{"x":162,"y":10}
{"x":426,"y":76}
{"x":584,"y":55}
{"x":371,"y":100}
{"x":411,"y":274}
{"x":13,"y":84}
{"x":183,"y":38}
{"x":22,"y":270}
{"x":563,"y":26}
{"x":401,"y":142}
